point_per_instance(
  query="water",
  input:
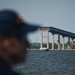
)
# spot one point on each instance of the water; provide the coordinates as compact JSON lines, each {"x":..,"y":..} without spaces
{"x":53,"y":62}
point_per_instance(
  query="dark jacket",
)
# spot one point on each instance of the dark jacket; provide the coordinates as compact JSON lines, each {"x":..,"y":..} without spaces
{"x":5,"y":69}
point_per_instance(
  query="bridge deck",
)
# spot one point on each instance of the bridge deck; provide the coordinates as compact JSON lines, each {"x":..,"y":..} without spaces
{"x":59,"y":31}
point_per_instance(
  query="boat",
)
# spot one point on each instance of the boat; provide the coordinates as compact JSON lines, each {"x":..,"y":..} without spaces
{"x":44,"y":49}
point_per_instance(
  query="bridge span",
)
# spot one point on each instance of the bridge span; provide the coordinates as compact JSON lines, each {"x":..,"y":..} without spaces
{"x":54,"y":31}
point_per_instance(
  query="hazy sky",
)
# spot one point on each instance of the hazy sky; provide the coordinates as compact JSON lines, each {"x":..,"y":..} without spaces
{"x":56,"y":13}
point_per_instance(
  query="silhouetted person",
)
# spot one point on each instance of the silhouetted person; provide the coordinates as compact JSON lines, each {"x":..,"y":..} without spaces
{"x":13,"y":40}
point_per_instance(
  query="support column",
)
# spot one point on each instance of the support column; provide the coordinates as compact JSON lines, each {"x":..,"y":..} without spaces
{"x":72,"y":43}
{"x":63,"y":43}
{"x":47,"y":40}
{"x":58,"y":41}
{"x":52,"y":41}
{"x":41,"y":38}
{"x":68,"y":42}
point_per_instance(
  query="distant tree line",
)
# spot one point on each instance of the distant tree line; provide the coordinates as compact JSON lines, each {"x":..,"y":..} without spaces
{"x":37,"y":45}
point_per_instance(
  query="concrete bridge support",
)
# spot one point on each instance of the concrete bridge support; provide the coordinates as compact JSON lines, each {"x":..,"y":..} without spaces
{"x":68,"y":42}
{"x":42,"y":38}
{"x":52,"y":41}
{"x":47,"y":39}
{"x":58,"y":41}
{"x":72,"y":41}
{"x":63,"y":43}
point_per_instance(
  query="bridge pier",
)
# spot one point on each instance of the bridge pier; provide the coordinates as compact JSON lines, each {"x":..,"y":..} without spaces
{"x":52,"y":41}
{"x":47,"y":39}
{"x":41,"y":38}
{"x":63,"y":43}
{"x":72,"y":41}
{"x":68,"y":42}
{"x":58,"y":41}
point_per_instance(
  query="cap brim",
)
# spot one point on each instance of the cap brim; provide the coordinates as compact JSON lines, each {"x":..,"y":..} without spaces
{"x":27,"y":27}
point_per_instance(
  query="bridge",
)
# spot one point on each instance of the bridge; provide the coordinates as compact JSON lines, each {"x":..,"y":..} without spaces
{"x":58,"y":32}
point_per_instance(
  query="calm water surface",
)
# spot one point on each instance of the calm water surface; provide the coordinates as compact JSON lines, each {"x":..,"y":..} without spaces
{"x":53,"y":62}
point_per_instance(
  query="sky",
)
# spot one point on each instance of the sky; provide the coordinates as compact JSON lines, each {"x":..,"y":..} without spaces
{"x":56,"y":13}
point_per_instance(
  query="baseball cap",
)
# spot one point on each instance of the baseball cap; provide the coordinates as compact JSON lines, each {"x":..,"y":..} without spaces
{"x":12,"y":22}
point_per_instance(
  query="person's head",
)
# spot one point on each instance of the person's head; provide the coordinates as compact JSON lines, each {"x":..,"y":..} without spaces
{"x":13,"y":36}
